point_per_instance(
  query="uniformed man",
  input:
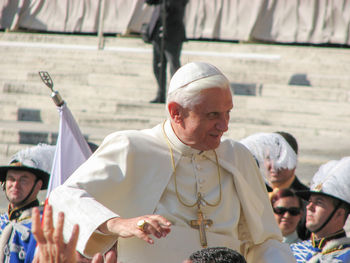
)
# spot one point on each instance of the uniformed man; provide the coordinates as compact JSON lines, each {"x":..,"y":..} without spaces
{"x":27,"y":173}
{"x":326,"y":214}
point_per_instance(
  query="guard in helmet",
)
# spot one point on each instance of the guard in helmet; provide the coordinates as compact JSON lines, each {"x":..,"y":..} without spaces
{"x":27,"y":173}
{"x":326,"y":214}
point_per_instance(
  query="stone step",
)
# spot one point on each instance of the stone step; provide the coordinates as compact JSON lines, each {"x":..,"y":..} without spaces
{"x":319,"y":116}
{"x":305,"y":92}
{"x":82,"y":107}
{"x":108,"y":85}
{"x":291,"y":105}
{"x":103,"y":72}
{"x":122,"y":91}
{"x":140,"y":93}
{"x":296,"y":53}
{"x":26,"y":132}
{"x":323,"y":84}
{"x":242,"y":123}
{"x":312,"y":153}
{"x":322,"y":67}
{"x":70,"y":59}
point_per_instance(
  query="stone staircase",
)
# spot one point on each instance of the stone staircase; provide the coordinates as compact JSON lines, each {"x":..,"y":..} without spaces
{"x":303,"y":90}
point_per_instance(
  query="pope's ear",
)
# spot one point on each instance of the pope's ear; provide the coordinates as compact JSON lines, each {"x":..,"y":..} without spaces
{"x":175,"y":111}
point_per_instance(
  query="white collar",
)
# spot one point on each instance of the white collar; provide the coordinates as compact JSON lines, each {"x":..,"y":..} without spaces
{"x":177,"y":144}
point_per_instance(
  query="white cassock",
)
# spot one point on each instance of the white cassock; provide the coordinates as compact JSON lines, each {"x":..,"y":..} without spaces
{"x":131,"y":175}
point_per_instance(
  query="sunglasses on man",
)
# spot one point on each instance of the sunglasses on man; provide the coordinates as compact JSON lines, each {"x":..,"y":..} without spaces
{"x":279,"y":210}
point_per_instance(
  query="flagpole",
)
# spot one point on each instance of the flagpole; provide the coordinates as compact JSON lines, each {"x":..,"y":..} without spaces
{"x":56,"y":97}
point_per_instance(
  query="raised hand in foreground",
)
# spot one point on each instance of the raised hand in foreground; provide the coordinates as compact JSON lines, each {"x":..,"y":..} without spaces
{"x":51,"y":247}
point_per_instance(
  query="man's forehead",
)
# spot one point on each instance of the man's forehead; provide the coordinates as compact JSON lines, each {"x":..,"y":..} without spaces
{"x":19,"y":173}
{"x":320,"y":197}
{"x":204,"y":108}
{"x":217,"y":97}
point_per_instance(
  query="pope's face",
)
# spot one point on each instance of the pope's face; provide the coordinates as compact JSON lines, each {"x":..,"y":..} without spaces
{"x":18,"y":185}
{"x":204,"y":125}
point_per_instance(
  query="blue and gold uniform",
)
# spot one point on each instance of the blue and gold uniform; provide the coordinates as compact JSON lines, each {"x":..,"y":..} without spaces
{"x":17,"y":243}
{"x":336,"y":249}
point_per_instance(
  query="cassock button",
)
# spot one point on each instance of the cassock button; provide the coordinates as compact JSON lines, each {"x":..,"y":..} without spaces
{"x":198,"y":167}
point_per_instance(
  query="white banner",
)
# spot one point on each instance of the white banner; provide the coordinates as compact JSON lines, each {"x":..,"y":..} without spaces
{"x":71,"y":149}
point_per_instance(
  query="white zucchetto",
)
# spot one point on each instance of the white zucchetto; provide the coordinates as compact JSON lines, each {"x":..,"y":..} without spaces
{"x":192,"y":72}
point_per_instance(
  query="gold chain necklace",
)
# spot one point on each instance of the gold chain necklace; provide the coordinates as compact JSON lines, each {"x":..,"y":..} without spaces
{"x":199,"y":195}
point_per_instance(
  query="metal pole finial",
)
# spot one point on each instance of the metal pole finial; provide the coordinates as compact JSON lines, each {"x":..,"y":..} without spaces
{"x":56,"y":97}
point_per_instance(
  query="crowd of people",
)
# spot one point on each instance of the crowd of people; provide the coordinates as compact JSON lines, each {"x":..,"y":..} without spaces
{"x":179,"y":192}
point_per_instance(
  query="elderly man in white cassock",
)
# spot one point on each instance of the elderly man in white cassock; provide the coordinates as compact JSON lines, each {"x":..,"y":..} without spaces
{"x":166,"y":192}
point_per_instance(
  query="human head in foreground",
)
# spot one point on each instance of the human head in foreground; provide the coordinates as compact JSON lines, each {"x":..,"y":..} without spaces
{"x":329,"y":198}
{"x":199,"y":102}
{"x":216,"y":255}
{"x":27,"y":173}
{"x":288,"y":211}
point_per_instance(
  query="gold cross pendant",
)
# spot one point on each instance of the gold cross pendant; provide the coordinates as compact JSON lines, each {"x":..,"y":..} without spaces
{"x":201,"y":224}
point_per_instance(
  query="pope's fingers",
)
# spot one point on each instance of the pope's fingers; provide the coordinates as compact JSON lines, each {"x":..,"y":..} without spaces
{"x":152,"y":225}
{"x":161,"y":224}
{"x":155,"y":228}
{"x":161,"y":219}
{"x":145,"y":236}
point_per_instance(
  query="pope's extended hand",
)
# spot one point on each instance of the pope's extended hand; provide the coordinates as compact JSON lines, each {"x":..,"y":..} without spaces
{"x":141,"y":227}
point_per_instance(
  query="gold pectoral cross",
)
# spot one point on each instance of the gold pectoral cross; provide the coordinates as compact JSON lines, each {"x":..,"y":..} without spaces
{"x":201,"y":224}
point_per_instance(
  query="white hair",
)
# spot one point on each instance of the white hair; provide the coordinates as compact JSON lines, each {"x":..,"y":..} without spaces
{"x":190,"y":95}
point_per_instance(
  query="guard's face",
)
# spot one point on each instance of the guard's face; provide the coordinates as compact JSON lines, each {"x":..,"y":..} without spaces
{"x":317,"y":211}
{"x":18,"y":185}
{"x":287,"y":221}
{"x":204,"y":125}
